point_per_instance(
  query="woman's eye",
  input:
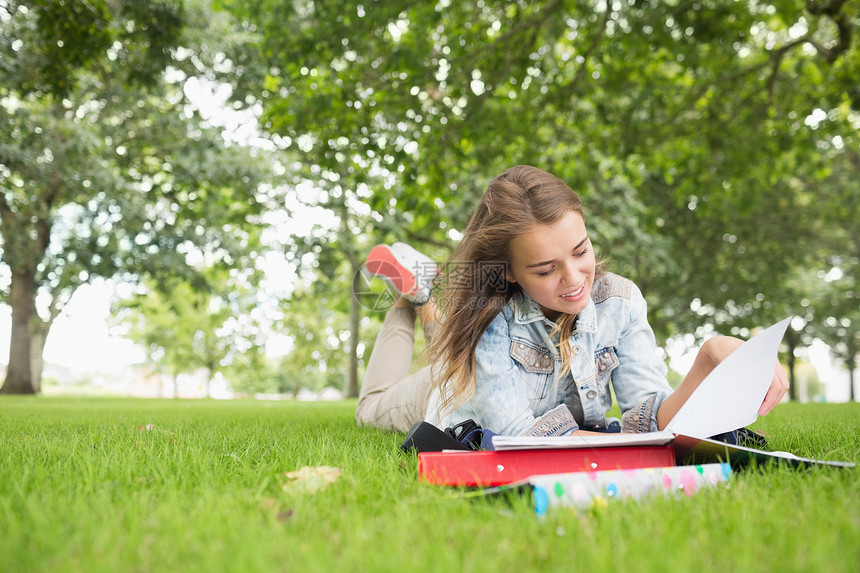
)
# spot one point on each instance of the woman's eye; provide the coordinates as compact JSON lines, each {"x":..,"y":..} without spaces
{"x":545,"y":273}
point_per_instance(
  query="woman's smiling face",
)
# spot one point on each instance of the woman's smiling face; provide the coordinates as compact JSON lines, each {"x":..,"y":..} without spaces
{"x":554,"y":264}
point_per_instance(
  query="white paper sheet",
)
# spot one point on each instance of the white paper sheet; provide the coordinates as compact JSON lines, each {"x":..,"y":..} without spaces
{"x":581,"y":441}
{"x":730,"y":396}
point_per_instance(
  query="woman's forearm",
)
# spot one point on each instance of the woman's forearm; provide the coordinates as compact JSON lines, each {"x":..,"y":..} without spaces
{"x":712,"y":352}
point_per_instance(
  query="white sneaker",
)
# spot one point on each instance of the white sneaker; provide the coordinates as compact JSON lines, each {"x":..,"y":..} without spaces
{"x":407,"y":271}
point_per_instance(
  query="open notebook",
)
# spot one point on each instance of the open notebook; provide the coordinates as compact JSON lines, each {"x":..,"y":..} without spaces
{"x":727,"y":399}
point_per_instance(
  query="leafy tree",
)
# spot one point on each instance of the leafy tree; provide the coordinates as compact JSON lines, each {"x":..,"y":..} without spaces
{"x":186,"y":327}
{"x":105,"y":168}
{"x":337,"y":253}
{"x":694,"y":131}
{"x":842,"y":335}
{"x":315,"y":315}
{"x":49,"y":42}
{"x":837,"y":300}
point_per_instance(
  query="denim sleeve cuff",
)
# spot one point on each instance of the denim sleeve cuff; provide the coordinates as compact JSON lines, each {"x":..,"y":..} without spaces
{"x":643,"y":417}
{"x":557,"y":422}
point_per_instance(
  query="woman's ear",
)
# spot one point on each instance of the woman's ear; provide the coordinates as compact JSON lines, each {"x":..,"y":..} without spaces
{"x":509,"y":276}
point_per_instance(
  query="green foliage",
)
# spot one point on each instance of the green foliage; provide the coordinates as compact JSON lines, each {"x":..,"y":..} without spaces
{"x":53,"y":42}
{"x":107,"y":169}
{"x":315,"y":315}
{"x":118,"y":484}
{"x":714,"y":144}
{"x":185,"y":328}
{"x":703,"y":136}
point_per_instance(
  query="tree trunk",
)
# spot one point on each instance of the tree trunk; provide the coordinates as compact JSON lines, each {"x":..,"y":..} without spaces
{"x":354,"y":327}
{"x":851,"y":386}
{"x":793,"y":390}
{"x":22,"y":298}
{"x":792,"y":339}
{"x":210,"y":370}
{"x":852,"y":366}
{"x":38,"y":336}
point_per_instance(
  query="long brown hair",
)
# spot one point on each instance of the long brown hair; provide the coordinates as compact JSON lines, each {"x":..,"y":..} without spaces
{"x":475,"y":288}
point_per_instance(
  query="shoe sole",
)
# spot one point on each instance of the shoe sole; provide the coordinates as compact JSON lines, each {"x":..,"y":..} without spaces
{"x":382,"y":262}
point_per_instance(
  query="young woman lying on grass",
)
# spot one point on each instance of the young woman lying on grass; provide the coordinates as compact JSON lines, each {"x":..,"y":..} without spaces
{"x":529,"y":331}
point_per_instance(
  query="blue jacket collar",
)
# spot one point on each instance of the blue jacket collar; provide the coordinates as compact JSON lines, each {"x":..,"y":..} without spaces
{"x":526,"y":311}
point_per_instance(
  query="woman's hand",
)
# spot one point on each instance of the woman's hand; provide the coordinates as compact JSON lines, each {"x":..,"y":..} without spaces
{"x":719,"y":347}
{"x":712,"y":352}
{"x":778,"y":388}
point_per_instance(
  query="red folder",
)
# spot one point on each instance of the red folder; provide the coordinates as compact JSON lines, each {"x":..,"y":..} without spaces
{"x":479,"y":469}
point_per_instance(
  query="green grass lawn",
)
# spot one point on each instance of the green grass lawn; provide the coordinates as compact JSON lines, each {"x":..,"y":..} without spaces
{"x":95,"y":484}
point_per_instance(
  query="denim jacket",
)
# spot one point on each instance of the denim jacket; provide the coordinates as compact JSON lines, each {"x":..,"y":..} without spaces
{"x":517,"y":391}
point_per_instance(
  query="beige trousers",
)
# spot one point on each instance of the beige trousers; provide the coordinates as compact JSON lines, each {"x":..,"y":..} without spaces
{"x":391,"y":397}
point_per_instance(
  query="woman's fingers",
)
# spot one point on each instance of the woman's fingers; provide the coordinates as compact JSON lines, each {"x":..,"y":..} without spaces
{"x":778,"y":388}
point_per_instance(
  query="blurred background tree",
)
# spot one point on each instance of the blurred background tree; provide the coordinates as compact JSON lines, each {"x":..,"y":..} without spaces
{"x":714,"y":144}
{"x":106,"y":170}
{"x":703,"y":136}
{"x":185,"y":328}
